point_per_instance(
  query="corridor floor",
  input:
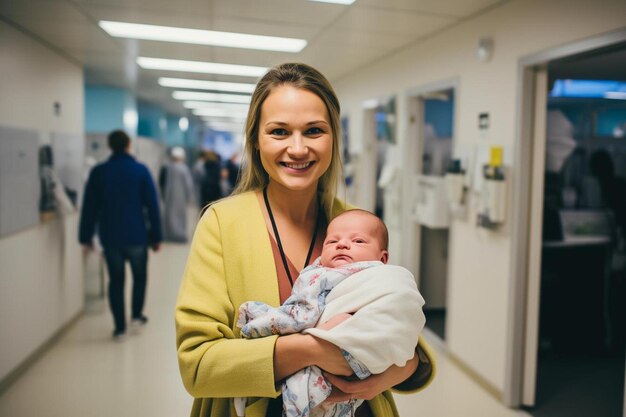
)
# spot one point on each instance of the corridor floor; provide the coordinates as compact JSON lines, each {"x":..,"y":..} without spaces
{"x":86,"y":374}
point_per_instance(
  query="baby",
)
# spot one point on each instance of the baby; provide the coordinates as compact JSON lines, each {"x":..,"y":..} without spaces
{"x":376,"y":311}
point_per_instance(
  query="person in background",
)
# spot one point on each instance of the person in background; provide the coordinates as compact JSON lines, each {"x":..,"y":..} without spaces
{"x":613,"y":193}
{"x":121,"y":203}
{"x":252,"y":245}
{"x":198,"y":173}
{"x":612,"y":187}
{"x":177,"y":193}
{"x":230,"y":173}
{"x":210,"y":188}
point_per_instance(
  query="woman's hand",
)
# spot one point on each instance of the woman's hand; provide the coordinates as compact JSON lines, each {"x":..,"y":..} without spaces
{"x":368,"y":388}
{"x":330,"y":358}
{"x":297,"y":351}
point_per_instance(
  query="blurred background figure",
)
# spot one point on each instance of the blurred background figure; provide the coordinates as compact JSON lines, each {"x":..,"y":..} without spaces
{"x":210,"y":189}
{"x":230,"y":173}
{"x":119,"y":194}
{"x":177,"y":193}
{"x":198,"y":173}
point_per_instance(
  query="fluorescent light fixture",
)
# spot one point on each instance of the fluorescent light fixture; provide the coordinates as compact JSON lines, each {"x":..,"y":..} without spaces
{"x":201,"y":96}
{"x":217,"y":112}
{"x":198,"y":66}
{"x":206,"y":85}
{"x":240,"y":108}
{"x":202,"y":37}
{"x":183,"y":124}
{"x":229,"y":127}
{"x":235,"y":120}
{"x":370,"y":104}
{"x":615,"y":95}
{"x":346,"y":2}
{"x":588,"y":89}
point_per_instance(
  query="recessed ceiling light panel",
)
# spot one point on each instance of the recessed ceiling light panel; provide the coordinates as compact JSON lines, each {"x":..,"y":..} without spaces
{"x":202,"y":37}
{"x":202,"y":96}
{"x":346,"y":2}
{"x":199,"y":66}
{"x":206,"y":85}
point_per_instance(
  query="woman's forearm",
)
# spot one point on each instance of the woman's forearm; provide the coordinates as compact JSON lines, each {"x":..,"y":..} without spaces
{"x":292,"y":353}
{"x":297,"y":351}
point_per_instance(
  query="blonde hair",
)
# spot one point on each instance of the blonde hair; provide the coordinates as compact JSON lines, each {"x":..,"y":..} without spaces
{"x":302,"y":76}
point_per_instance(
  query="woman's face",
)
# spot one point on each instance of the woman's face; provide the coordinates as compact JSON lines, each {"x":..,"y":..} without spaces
{"x":295,"y":138}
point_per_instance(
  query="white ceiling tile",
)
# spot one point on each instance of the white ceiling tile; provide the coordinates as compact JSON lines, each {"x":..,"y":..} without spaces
{"x":458,"y":8}
{"x":351,"y":40}
{"x":294,"y":30}
{"x":279,"y":11}
{"x":392,"y":22}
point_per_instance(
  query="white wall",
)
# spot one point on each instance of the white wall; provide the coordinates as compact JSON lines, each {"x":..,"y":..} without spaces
{"x":478,"y":282}
{"x":41,"y":282}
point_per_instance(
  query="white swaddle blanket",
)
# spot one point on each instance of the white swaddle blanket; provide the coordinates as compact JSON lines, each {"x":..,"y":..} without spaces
{"x":387,"y":307}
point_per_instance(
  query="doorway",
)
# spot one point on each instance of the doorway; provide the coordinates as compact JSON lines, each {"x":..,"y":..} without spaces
{"x":431,"y":130}
{"x":378,"y":163}
{"x":573,"y":359}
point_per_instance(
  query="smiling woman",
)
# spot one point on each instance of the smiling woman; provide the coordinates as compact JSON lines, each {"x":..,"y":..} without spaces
{"x":251,"y":246}
{"x":295,"y":142}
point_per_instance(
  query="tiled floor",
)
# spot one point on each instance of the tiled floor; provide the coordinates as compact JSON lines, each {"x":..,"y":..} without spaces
{"x":86,"y":374}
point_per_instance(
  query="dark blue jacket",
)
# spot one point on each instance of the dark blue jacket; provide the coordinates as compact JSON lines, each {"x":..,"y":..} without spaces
{"x":121,"y":200}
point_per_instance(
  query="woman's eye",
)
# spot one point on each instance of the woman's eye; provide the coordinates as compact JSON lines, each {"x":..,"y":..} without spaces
{"x":314,"y":131}
{"x":278,"y":132}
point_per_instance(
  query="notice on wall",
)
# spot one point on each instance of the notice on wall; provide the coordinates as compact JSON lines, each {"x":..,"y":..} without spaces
{"x":19,"y":179}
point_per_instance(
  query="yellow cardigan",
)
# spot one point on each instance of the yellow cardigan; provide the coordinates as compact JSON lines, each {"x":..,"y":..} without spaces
{"x":231,"y":262}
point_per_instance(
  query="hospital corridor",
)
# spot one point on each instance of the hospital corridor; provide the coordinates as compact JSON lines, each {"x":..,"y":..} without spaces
{"x":325,"y":208}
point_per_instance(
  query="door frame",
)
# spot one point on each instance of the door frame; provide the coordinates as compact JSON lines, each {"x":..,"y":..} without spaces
{"x":368,"y":157}
{"x":413,"y":152}
{"x":522,"y":317}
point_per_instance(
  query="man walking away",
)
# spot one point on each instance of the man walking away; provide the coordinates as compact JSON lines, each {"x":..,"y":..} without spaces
{"x":121,"y":203}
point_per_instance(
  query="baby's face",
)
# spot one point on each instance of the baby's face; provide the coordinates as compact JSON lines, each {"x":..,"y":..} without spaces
{"x":352,"y":238}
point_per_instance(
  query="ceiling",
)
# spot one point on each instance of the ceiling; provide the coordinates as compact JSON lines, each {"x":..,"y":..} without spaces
{"x":341,"y":39}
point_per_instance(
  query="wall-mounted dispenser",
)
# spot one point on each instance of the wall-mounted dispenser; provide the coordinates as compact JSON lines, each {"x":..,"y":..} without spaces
{"x":456,"y":188}
{"x":431,"y":202}
{"x":492,"y":206}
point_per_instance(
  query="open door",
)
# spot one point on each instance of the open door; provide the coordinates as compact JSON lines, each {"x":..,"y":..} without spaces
{"x":539,"y":87}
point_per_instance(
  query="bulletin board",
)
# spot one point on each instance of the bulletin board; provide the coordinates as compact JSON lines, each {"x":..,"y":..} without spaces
{"x":19,"y":179}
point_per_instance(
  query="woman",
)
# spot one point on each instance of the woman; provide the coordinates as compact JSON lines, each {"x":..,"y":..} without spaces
{"x":251,"y":247}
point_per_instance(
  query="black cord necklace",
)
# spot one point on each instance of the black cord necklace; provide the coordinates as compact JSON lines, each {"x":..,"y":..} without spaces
{"x":280,"y":245}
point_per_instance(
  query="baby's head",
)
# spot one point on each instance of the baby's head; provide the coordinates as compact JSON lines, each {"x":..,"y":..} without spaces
{"x":354,"y":236}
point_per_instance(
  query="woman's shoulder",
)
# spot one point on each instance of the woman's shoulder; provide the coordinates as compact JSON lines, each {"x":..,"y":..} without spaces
{"x":235,"y":207}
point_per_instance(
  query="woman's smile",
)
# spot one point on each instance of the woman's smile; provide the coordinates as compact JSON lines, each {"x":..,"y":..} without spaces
{"x":297,"y":167}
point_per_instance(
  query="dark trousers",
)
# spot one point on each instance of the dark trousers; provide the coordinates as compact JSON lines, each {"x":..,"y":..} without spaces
{"x":115,"y":259}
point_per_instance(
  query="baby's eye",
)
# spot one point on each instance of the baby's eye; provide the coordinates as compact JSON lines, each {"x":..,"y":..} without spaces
{"x":359,"y":241}
{"x":278,"y":132}
{"x":328,"y":242}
